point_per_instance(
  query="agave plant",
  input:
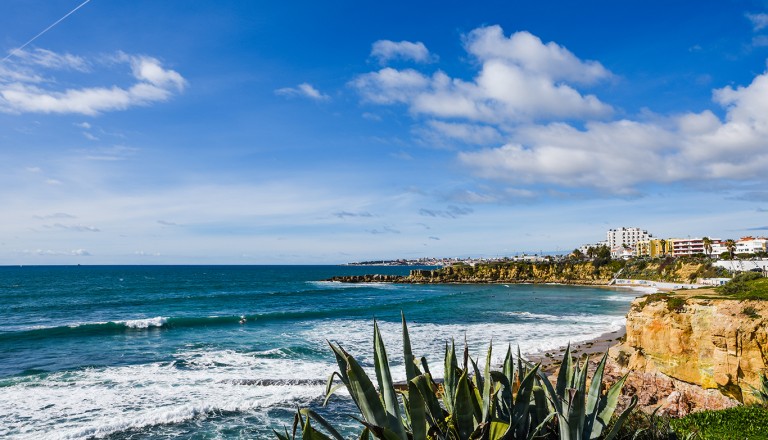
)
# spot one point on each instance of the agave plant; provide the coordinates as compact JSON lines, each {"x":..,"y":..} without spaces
{"x":515,"y":403}
{"x":581,"y":413}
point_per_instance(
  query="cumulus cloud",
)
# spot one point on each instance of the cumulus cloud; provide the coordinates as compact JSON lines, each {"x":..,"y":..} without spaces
{"x":520,"y":79}
{"x":25,"y":87}
{"x":387,"y":50}
{"x":619,"y":156}
{"x":303,"y":90}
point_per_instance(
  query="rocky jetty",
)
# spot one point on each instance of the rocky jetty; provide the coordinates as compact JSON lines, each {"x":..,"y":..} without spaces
{"x":686,"y":353}
{"x":368,"y":279}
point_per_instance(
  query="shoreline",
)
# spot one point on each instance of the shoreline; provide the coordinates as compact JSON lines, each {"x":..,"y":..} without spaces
{"x":593,"y":348}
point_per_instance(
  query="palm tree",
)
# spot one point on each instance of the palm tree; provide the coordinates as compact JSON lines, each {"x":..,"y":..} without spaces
{"x":663,"y":244}
{"x":731,"y":246}
{"x":707,"y":246}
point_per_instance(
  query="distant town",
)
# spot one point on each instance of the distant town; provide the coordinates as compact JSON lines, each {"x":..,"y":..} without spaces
{"x":620,"y":243}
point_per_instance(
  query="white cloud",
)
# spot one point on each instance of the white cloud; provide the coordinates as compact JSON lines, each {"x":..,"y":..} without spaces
{"x":528,"y":52}
{"x":24,"y":89}
{"x":620,"y":156}
{"x":304,"y":90}
{"x":520,"y":80}
{"x":52,"y":60}
{"x":387,"y":50}
{"x":759,"y":21}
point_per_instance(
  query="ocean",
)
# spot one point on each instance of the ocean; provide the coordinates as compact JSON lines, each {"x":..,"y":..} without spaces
{"x":219,"y":352}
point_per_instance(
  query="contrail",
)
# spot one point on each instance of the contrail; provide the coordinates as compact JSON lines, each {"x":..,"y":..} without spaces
{"x":15,"y":51}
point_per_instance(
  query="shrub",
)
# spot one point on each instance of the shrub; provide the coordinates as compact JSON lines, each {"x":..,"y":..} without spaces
{"x":741,"y":422}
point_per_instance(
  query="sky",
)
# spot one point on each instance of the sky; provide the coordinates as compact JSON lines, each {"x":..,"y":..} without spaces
{"x":230,"y":132}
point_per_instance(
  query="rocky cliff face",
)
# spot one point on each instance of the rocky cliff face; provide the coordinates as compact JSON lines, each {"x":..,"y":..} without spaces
{"x":563,"y":273}
{"x":706,"y":352}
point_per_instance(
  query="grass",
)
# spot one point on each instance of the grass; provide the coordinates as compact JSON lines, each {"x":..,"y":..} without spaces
{"x":747,"y":285}
{"x":739,"y":423}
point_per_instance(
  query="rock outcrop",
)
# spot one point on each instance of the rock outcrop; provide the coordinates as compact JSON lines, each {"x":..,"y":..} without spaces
{"x":687,"y":353}
{"x":584,"y":273}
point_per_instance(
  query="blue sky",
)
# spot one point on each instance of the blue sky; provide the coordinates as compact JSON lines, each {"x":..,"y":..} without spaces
{"x":233,"y":132}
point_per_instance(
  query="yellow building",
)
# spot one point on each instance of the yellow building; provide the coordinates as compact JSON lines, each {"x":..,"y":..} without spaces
{"x":653,"y":248}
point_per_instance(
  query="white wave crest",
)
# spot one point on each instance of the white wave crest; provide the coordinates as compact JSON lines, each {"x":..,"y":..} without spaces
{"x":157,"y":321}
{"x":97,"y":402}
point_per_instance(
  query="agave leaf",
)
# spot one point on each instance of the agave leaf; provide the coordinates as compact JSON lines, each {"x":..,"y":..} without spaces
{"x":378,"y":431}
{"x":319,"y":419}
{"x":542,"y":408}
{"x":593,"y":398}
{"x":309,"y":433}
{"x":365,"y":435}
{"x":330,"y":393}
{"x":487,"y":386}
{"x":541,"y":426}
{"x":477,"y":378}
{"x":425,"y":366}
{"x":498,"y":430}
{"x":387,"y":389}
{"x":551,"y":394}
{"x":566,"y":370}
{"x":418,"y":412}
{"x":341,"y":360}
{"x":411,"y":370}
{"x":450,"y":379}
{"x":281,"y":436}
{"x":523,"y":402}
{"x":504,"y":404}
{"x":463,"y":411}
{"x":364,"y":394}
{"x":435,"y":414}
{"x":577,"y":405}
{"x":621,"y":419}
{"x":607,"y":406}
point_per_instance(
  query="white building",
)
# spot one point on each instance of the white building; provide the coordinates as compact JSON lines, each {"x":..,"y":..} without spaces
{"x":751,"y":245}
{"x":625,"y":238}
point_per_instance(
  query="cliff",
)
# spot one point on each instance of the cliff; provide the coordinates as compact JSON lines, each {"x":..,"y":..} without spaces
{"x":561,"y":272}
{"x":675,"y":270}
{"x":692,"y":352}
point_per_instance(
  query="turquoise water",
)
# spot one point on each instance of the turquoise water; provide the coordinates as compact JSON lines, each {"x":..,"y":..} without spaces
{"x":154,"y":352}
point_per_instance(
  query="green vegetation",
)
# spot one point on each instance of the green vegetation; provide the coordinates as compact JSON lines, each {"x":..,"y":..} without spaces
{"x":746,"y":285}
{"x":518,"y":402}
{"x":762,"y":393}
{"x":673,"y":269}
{"x":674,"y":303}
{"x":750,"y":312}
{"x":741,"y":422}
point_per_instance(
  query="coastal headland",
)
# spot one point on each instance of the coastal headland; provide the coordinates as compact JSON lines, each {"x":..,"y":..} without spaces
{"x":683,"y":351}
